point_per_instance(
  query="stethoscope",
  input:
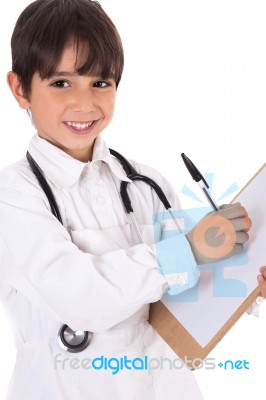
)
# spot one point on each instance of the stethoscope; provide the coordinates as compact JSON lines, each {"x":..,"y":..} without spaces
{"x":77,"y":341}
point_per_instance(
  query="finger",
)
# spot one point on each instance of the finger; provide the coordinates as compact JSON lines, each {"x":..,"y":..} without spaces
{"x":241,"y":237}
{"x":263,"y":271}
{"x":238,"y":249}
{"x":261,"y":279}
{"x":225,"y":206}
{"x":233,"y":212}
{"x":241,"y":224}
{"x":262,"y":285}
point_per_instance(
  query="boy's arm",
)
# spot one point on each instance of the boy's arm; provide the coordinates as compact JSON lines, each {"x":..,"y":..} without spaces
{"x":85,"y":291}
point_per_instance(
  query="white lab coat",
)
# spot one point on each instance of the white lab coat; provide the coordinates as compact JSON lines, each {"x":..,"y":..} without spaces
{"x":90,"y":273}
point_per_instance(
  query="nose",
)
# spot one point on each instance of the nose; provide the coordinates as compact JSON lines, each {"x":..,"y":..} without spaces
{"x":83,"y":101}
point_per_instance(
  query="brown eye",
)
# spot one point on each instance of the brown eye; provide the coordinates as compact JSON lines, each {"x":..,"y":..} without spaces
{"x":101,"y":84}
{"x":60,"y":84}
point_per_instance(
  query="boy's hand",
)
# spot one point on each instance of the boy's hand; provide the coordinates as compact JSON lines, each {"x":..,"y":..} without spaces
{"x":220,"y":235}
{"x":262,"y":281}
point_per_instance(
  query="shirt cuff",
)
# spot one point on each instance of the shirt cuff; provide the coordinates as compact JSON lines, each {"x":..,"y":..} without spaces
{"x":177,"y":263}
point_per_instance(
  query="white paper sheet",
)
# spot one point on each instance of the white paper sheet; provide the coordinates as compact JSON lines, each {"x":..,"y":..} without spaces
{"x":224,"y":286}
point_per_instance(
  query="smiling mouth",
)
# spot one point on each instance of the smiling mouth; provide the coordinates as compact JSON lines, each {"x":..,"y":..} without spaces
{"x":80,"y":126}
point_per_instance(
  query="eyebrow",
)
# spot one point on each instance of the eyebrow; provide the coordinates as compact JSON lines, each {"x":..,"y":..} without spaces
{"x":64,"y":73}
{"x":58,"y":74}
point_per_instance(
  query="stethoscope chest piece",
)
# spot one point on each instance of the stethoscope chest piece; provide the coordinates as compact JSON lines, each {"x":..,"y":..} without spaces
{"x":77,"y":341}
{"x":73,"y":341}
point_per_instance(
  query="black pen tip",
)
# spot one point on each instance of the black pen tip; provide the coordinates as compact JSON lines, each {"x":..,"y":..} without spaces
{"x":193,"y":170}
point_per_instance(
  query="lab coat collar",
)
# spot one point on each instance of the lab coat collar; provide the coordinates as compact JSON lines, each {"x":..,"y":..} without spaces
{"x":64,"y":170}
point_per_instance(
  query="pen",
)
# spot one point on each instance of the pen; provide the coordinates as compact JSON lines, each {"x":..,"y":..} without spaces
{"x":197,"y":176}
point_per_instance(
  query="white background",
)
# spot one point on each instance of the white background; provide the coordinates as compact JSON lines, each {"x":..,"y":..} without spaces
{"x":194,"y":82}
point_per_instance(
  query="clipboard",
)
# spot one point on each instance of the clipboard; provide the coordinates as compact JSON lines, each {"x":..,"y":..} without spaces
{"x":172,"y":328}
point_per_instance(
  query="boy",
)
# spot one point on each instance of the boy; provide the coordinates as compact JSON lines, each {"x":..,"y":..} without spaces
{"x":91,"y":272}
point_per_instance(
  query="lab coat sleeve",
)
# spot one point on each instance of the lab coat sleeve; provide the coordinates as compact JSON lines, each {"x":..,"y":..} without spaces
{"x":182,"y":273}
{"x":85,"y":291}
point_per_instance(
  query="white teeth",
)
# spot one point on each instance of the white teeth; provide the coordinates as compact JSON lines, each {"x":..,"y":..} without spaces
{"x":80,"y":126}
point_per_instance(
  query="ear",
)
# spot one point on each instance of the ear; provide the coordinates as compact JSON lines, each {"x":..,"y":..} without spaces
{"x":16,"y":88}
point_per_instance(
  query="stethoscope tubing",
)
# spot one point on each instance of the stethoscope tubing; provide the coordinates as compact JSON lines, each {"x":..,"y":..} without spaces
{"x":79,"y":340}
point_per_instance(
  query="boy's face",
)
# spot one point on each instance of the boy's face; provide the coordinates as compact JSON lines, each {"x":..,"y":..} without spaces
{"x":70,"y":110}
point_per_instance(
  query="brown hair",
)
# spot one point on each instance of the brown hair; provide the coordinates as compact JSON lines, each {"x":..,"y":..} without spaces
{"x":46,"y":27}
